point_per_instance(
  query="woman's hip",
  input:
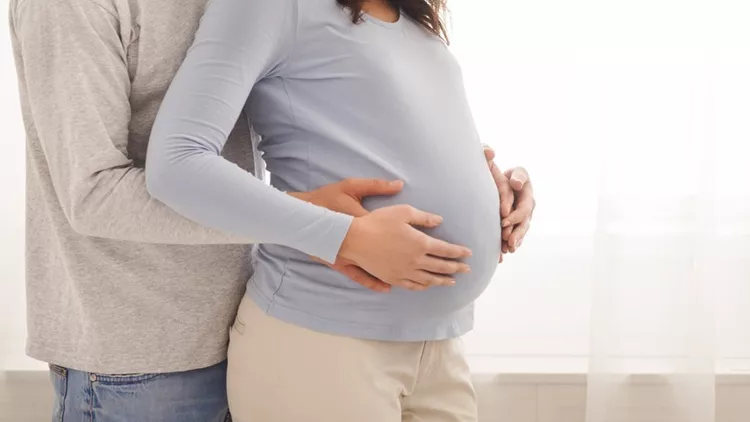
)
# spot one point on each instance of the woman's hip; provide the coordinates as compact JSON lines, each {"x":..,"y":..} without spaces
{"x":279,"y":372}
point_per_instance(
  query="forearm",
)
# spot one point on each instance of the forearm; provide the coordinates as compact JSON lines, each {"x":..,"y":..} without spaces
{"x":117,"y":205}
{"x":205,"y":187}
{"x":237,"y":44}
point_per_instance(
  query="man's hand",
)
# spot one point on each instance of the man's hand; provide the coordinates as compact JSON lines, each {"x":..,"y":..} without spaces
{"x":390,"y":230}
{"x":346,"y":197}
{"x":516,"y":202}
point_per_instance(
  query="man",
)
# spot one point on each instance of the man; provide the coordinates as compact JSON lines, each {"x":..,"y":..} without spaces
{"x":129,"y":302}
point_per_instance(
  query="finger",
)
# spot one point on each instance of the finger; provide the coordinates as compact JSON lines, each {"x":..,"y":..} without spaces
{"x":411,"y":285}
{"x":443,"y":266}
{"x":516,"y":238}
{"x":356,"y":210}
{"x":518,"y":177}
{"x":504,"y":247}
{"x":352,"y":206}
{"x":370,"y":187}
{"x":489,"y":153}
{"x":507,"y":196}
{"x":442,"y":249}
{"x":429,"y":279}
{"x":362,"y":277}
{"x":506,"y":232}
{"x":500,"y":258}
{"x":417,"y":217}
{"x":524,"y":207}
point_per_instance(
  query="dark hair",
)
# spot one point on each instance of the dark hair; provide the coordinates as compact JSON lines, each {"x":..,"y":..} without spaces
{"x":427,"y":13}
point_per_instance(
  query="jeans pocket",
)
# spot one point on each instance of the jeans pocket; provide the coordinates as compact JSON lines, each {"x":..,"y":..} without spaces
{"x":59,"y":379}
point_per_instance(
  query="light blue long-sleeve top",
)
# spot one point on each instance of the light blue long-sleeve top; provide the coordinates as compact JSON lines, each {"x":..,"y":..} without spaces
{"x":330,"y":100}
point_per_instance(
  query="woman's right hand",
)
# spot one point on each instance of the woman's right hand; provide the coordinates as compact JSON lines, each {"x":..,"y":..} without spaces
{"x":385,"y":244}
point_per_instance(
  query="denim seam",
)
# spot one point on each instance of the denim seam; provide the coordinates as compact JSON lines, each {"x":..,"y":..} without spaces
{"x":125,"y":379}
{"x":58,"y":370}
{"x":90,"y":397}
{"x":63,"y":399}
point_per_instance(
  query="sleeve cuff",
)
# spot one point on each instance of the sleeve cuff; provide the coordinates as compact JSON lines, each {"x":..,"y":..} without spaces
{"x":327,"y":246}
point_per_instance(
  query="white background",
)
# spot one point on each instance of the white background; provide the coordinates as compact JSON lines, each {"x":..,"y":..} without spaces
{"x":12,"y":175}
{"x":633,"y":100}
{"x":537,"y":73}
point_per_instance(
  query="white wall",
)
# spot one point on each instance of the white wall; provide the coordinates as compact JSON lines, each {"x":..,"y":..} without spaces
{"x":12,"y":176}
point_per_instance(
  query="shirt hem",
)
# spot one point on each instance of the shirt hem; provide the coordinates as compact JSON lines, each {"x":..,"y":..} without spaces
{"x":456,"y":325}
{"x":124,"y":366}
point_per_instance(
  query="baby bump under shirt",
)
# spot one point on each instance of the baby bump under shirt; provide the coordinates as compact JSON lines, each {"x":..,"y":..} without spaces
{"x":331,"y":100}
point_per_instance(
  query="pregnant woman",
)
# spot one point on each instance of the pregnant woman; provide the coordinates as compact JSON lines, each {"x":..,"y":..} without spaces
{"x":336,"y":90}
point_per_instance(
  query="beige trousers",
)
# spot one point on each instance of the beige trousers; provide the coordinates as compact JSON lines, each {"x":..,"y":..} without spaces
{"x":280,"y":372}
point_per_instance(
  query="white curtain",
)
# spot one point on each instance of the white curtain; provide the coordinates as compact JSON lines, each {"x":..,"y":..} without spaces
{"x":633,"y":119}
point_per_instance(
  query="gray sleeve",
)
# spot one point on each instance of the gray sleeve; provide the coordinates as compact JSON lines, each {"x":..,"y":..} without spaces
{"x":76,"y":82}
{"x":239,"y":42}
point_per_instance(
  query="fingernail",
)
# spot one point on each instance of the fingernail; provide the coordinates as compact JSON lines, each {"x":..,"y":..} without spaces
{"x":451,"y":282}
{"x":506,"y":223}
{"x":396,"y":183}
{"x":517,"y":244}
{"x":437,"y":219}
{"x":466,"y":269}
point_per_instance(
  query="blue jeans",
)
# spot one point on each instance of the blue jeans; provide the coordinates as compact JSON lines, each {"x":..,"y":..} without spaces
{"x":193,"y":396}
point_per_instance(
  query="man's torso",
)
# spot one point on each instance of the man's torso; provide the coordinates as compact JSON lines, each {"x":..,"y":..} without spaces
{"x":121,"y":307}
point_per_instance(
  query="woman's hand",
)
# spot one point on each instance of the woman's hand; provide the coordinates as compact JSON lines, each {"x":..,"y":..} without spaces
{"x":412,"y":268}
{"x":385,"y":244}
{"x":516,"y":202}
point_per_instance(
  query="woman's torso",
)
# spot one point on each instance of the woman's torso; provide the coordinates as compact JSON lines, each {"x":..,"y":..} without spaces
{"x":376,"y":100}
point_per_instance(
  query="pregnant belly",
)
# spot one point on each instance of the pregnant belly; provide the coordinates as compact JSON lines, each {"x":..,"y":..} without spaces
{"x":469,"y":205}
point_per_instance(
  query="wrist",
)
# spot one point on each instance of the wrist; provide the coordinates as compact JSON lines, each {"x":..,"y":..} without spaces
{"x":304,"y":196}
{"x":348,"y":248}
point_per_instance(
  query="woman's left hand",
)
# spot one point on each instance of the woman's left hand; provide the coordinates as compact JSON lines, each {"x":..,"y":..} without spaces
{"x":516,"y":202}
